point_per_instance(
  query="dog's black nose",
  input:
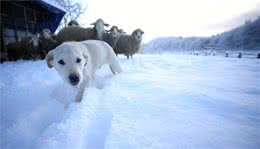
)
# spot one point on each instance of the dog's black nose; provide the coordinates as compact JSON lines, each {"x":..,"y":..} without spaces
{"x":74,"y":79}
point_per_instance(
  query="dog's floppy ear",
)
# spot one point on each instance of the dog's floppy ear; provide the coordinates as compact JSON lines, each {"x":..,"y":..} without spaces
{"x":86,"y":58}
{"x":49,"y":59}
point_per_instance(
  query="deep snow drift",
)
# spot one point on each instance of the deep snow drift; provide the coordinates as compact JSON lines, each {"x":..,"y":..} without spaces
{"x":159,"y":101}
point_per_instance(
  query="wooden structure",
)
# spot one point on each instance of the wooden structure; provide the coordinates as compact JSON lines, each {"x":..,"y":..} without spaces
{"x":24,"y":18}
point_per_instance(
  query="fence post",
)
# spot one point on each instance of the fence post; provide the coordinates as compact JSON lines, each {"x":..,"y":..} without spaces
{"x":226,"y":54}
{"x":239,"y":55}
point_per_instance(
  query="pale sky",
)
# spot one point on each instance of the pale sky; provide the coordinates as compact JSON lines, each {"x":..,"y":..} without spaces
{"x":160,"y":18}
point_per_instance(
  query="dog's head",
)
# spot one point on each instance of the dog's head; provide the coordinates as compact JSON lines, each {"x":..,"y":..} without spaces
{"x":69,"y":60}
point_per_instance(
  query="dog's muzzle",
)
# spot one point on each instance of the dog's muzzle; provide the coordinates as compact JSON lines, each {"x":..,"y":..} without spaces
{"x":74,"y":79}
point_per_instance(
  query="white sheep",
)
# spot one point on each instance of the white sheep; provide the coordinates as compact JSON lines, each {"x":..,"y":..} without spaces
{"x":76,"y":33}
{"x":121,"y":31}
{"x":73,"y":23}
{"x":112,"y":36}
{"x":129,"y":44}
{"x":48,"y":42}
{"x":99,"y":27}
{"x":27,"y":48}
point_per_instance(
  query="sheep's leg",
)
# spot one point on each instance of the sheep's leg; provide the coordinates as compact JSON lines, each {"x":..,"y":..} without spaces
{"x":127,"y":56}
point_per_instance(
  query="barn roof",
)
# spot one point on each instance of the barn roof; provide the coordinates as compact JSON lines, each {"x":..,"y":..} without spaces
{"x":54,"y":19}
{"x":52,"y":3}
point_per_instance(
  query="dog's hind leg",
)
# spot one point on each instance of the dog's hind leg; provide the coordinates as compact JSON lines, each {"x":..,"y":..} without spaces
{"x":112,"y":70}
{"x":115,"y":67}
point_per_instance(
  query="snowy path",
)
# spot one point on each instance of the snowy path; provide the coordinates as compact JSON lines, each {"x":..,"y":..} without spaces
{"x":160,"y":101}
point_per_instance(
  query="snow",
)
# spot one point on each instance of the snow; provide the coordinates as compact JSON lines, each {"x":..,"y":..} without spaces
{"x":159,"y":101}
{"x":54,"y":4}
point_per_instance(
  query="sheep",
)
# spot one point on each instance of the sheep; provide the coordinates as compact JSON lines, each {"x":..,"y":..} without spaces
{"x":113,"y":28}
{"x":112,"y":37}
{"x":121,"y":31}
{"x":47,"y":43}
{"x":76,"y":33}
{"x":30,"y":47}
{"x":129,"y":44}
{"x":99,"y":27}
{"x":73,"y":23}
{"x":27,"y":48}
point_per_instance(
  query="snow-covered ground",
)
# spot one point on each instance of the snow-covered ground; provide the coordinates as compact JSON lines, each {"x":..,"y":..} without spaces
{"x":159,"y":101}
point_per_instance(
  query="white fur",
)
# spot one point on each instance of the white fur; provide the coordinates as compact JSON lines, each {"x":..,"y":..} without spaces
{"x":35,"y":39}
{"x":46,"y":33}
{"x":92,"y":53}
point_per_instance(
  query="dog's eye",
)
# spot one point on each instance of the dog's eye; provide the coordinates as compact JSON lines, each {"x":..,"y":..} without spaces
{"x":61,"y":62}
{"x":78,"y":60}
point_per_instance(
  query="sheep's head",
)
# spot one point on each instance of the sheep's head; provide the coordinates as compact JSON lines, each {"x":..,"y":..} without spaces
{"x":46,"y":33}
{"x":122,"y":31}
{"x":114,"y":31}
{"x":99,"y":26}
{"x":35,"y":39}
{"x":138,"y":34}
{"x":73,"y":23}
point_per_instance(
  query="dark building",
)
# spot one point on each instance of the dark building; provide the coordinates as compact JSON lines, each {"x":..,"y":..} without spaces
{"x":24,"y":18}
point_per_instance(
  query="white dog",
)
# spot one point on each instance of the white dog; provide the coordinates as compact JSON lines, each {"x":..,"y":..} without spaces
{"x":77,"y":62}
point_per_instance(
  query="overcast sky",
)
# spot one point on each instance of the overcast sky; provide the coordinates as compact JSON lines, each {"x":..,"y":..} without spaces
{"x":159,"y":18}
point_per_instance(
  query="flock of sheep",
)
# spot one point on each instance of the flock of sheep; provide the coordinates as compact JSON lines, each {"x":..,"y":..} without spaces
{"x":38,"y":45}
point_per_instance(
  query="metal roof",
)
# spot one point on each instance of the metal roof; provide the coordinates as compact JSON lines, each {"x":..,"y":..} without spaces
{"x":56,"y":16}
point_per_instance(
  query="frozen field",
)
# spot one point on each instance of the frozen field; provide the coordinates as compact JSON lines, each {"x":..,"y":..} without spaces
{"x":159,"y":101}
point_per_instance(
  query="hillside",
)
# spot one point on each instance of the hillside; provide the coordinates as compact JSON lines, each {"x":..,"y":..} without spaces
{"x":245,"y":37}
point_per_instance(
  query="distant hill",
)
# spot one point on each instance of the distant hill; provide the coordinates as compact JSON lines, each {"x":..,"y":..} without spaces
{"x":245,"y":37}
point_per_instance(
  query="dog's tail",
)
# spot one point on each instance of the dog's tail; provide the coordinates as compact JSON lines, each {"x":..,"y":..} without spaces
{"x":115,"y":66}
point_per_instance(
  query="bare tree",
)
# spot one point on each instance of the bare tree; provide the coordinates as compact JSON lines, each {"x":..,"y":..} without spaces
{"x":73,"y":11}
